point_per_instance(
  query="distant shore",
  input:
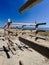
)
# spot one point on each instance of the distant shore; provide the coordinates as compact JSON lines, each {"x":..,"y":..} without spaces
{"x":28,"y":28}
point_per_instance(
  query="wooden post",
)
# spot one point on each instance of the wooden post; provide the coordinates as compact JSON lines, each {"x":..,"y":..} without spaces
{"x":36,"y":27}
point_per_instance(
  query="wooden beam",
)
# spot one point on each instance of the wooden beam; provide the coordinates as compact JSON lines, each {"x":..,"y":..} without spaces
{"x":28,"y":4}
{"x":37,"y":31}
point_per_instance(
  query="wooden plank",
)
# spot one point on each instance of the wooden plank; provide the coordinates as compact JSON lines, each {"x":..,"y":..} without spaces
{"x":40,"y":38}
{"x":36,"y":26}
{"x":28,"y":4}
{"x":41,"y":23}
{"x":37,"y":31}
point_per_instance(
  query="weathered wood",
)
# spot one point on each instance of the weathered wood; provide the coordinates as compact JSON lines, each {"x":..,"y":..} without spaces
{"x":28,"y":4}
{"x":37,"y":31}
{"x":10,"y":43}
{"x":11,"y":46}
{"x":19,"y":33}
{"x":37,"y":24}
{"x":39,"y":38}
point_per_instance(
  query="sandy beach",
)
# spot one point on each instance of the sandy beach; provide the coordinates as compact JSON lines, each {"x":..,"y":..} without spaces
{"x":27,"y":56}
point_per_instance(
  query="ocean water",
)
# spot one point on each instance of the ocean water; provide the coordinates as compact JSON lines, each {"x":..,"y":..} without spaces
{"x":33,"y":28}
{"x":47,"y":29}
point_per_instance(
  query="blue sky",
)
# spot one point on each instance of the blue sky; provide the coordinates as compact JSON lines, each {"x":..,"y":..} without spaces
{"x":10,"y":9}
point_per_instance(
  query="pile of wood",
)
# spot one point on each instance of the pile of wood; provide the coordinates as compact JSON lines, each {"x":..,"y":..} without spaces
{"x":8,"y":33}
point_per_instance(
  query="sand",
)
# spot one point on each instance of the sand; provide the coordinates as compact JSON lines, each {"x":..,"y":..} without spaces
{"x":27,"y":56}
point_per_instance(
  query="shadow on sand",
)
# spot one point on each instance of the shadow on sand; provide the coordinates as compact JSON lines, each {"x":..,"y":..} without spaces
{"x":20,"y":62}
{"x":41,"y":49}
